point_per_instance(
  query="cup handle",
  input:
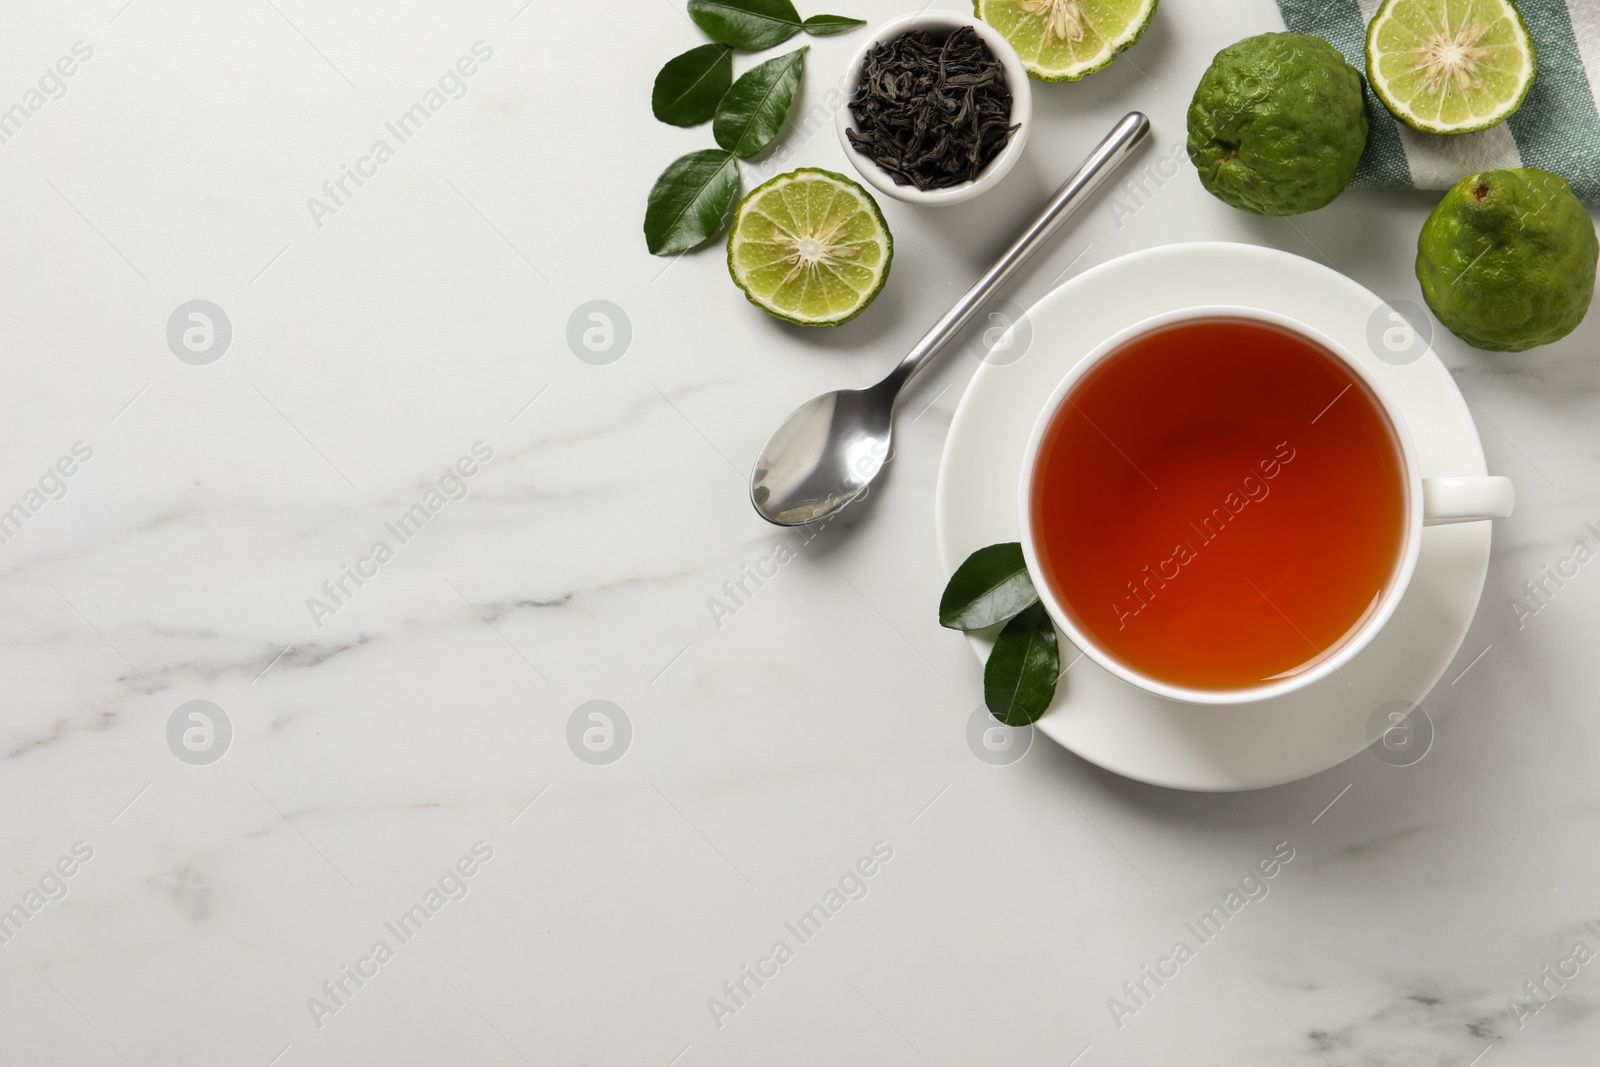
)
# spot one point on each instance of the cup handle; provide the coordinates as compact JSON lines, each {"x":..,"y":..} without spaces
{"x":1449,"y":500}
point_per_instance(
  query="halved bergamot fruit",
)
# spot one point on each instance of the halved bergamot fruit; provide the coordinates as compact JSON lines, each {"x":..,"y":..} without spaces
{"x":1065,"y":40}
{"x":811,"y":247}
{"x":1444,"y":67}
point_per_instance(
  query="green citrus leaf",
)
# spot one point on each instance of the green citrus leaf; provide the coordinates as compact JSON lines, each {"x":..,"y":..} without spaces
{"x":989,"y":588}
{"x":748,"y":25}
{"x":753,"y":111}
{"x":690,"y":200}
{"x":1019,"y":681}
{"x":689,"y":86}
{"x":828,"y":25}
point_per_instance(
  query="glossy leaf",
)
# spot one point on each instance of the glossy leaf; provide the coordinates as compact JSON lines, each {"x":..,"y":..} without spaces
{"x":989,"y":588}
{"x":690,"y":200}
{"x":748,"y":25}
{"x":753,"y":111}
{"x":828,"y":25}
{"x":689,"y":86}
{"x":1019,"y":681}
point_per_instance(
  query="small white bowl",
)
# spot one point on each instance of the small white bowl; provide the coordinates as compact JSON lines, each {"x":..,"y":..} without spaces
{"x":1021,"y":109}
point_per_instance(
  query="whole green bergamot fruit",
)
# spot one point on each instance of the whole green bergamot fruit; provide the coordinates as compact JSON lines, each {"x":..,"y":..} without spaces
{"x":1507,"y":259}
{"x":1277,"y":124}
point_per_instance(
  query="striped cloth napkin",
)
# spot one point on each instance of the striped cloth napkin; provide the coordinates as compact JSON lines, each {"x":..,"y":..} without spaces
{"x":1557,"y":129}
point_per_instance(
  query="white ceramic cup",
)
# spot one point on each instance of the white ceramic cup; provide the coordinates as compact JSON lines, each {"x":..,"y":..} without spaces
{"x":1428,"y":502}
{"x":1016,"y":80}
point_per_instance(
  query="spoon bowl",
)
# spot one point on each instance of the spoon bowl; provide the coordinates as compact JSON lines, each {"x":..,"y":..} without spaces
{"x":823,"y":456}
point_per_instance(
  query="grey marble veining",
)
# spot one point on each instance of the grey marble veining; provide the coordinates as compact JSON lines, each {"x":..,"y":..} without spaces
{"x":785,"y":704}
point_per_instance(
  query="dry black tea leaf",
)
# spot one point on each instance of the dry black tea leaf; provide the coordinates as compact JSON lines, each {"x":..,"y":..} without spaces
{"x":933,"y":110}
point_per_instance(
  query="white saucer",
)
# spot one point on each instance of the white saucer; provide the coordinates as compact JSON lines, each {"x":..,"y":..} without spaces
{"x":1184,"y":746}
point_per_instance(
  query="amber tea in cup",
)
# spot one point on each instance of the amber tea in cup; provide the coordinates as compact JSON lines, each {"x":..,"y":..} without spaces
{"x":1219,"y":504}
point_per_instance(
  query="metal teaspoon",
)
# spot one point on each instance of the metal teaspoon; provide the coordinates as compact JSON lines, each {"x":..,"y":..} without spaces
{"x":829,"y":450}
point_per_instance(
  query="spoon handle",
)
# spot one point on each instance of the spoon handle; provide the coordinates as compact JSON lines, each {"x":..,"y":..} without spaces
{"x":1105,"y":159}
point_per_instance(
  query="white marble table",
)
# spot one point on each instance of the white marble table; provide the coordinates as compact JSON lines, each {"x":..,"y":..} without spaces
{"x":407,"y":743}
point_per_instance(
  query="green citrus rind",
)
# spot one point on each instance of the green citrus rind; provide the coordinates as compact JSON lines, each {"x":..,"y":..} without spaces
{"x":1277,"y":124}
{"x":1026,"y":32}
{"x":777,"y":303}
{"x":1507,"y":261}
{"x":1383,"y":84}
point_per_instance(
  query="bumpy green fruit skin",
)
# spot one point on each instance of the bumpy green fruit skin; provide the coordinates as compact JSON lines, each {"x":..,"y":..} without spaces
{"x":1507,"y":259}
{"x":1278,"y":124}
